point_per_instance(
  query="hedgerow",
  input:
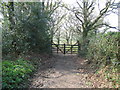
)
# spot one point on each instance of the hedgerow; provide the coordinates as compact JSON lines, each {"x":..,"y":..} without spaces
{"x":103,"y":50}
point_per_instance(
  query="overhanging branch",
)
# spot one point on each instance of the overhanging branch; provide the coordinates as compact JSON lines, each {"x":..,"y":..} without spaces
{"x":104,"y":24}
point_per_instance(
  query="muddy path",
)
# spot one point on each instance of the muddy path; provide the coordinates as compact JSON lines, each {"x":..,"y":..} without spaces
{"x":67,"y":71}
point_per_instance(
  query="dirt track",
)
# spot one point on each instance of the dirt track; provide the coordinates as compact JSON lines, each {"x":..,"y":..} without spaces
{"x":68,"y":71}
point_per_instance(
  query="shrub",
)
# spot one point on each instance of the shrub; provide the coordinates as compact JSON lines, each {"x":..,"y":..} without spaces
{"x":103,"y":48}
{"x":103,"y":51}
{"x":14,"y":73}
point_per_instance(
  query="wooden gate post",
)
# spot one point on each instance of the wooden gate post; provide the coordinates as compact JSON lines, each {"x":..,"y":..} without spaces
{"x":57,"y":48}
{"x":78,"y":46}
{"x":64,"y":48}
{"x":71,"y":49}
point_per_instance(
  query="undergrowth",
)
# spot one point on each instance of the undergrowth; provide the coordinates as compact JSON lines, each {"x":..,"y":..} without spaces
{"x":15,"y":73}
{"x":112,"y":74}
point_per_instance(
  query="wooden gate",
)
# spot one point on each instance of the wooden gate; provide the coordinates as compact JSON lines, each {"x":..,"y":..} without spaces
{"x":65,"y":48}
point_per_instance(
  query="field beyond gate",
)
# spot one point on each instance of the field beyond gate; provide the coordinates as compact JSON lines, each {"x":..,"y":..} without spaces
{"x":66,"y":48}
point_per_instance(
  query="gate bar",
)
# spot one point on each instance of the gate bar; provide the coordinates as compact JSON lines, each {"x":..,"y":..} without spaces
{"x":64,"y":48}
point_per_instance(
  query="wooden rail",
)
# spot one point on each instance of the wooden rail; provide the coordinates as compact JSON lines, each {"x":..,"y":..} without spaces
{"x":65,"y":49}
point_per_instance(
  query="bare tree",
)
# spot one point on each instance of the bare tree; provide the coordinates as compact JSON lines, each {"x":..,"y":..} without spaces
{"x":70,"y":28}
{"x":85,"y":15}
{"x":89,"y":20}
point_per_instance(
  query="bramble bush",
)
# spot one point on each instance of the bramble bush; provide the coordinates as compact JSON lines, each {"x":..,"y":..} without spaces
{"x":15,"y":73}
{"x":103,"y":49}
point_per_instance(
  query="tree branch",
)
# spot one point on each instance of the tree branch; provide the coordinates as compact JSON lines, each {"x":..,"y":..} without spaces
{"x":79,"y":20}
{"x":104,"y":24}
{"x":102,"y":12}
{"x":79,"y":5}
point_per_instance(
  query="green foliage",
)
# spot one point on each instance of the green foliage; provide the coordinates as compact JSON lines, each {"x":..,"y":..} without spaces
{"x":112,"y":70}
{"x":103,"y":48}
{"x":112,"y":75}
{"x":31,"y":29}
{"x":14,"y":73}
{"x":26,"y":28}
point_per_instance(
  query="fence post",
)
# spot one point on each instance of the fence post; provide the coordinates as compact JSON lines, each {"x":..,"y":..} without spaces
{"x":57,"y":48}
{"x":64,"y":48}
{"x":78,"y":46}
{"x":71,"y":49}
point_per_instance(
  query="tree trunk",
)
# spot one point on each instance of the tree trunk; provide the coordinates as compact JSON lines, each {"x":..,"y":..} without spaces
{"x":58,"y":39}
{"x":43,"y":5}
{"x":67,"y":41}
{"x":71,"y":38}
{"x":12,"y":24}
{"x":11,"y":15}
{"x":85,"y":33}
{"x":51,"y":42}
{"x":84,"y":43}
